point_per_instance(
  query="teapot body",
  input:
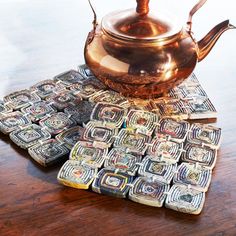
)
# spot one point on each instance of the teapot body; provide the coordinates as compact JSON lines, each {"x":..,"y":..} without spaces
{"x":140,"y":68}
{"x":143,"y":54}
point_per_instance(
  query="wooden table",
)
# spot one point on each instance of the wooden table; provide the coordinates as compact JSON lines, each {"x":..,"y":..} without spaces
{"x":39,"y":39}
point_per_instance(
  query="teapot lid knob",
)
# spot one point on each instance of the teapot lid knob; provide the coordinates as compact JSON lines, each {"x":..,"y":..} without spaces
{"x":142,"y":7}
{"x":140,"y":24}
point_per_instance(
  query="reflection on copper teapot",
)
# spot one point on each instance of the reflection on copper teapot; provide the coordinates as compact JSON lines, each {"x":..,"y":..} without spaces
{"x":142,"y":54}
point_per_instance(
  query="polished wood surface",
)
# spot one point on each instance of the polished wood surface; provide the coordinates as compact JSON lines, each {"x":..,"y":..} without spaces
{"x":39,"y":39}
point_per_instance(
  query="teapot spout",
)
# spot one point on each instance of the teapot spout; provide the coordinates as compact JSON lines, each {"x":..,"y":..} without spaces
{"x":207,"y":43}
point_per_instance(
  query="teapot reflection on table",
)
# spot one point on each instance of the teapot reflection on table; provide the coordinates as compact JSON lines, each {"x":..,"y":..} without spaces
{"x":142,"y":54}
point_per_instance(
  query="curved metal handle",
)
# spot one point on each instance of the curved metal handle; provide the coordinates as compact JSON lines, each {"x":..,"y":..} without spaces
{"x":95,"y":16}
{"x":193,"y":11}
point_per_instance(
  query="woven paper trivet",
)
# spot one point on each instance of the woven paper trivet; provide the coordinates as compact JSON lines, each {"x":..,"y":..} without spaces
{"x":148,"y":144}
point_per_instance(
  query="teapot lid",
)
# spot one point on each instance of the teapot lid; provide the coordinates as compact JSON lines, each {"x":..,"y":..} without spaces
{"x":140,"y":25}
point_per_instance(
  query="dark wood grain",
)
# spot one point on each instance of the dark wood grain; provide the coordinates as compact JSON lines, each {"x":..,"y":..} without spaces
{"x":40,"y":39}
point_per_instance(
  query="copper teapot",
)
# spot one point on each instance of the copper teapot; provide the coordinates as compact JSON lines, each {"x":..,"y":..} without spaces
{"x":141,"y":54}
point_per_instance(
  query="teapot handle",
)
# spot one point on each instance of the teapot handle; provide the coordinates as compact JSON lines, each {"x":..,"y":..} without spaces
{"x":193,"y":11}
{"x":95,"y":23}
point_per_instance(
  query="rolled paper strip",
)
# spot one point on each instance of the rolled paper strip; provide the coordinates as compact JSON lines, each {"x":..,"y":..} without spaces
{"x":38,"y":110}
{"x":80,"y":112}
{"x":122,"y":161}
{"x":204,"y":156}
{"x":90,"y":155}
{"x":47,"y":88}
{"x":198,"y":177}
{"x":168,"y":151}
{"x":49,"y":152}
{"x":148,"y":192}
{"x":71,"y":136}
{"x":157,"y":170}
{"x":29,"y":136}
{"x":20,"y":99}
{"x":184,"y":199}
{"x":69,"y":77}
{"x":205,"y":135}
{"x":4,"y":108}
{"x":142,"y":121}
{"x":109,"y":114}
{"x":173,"y":129}
{"x":57,"y":123}
{"x":111,"y":183}
{"x":10,"y":122}
{"x":75,"y":175}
